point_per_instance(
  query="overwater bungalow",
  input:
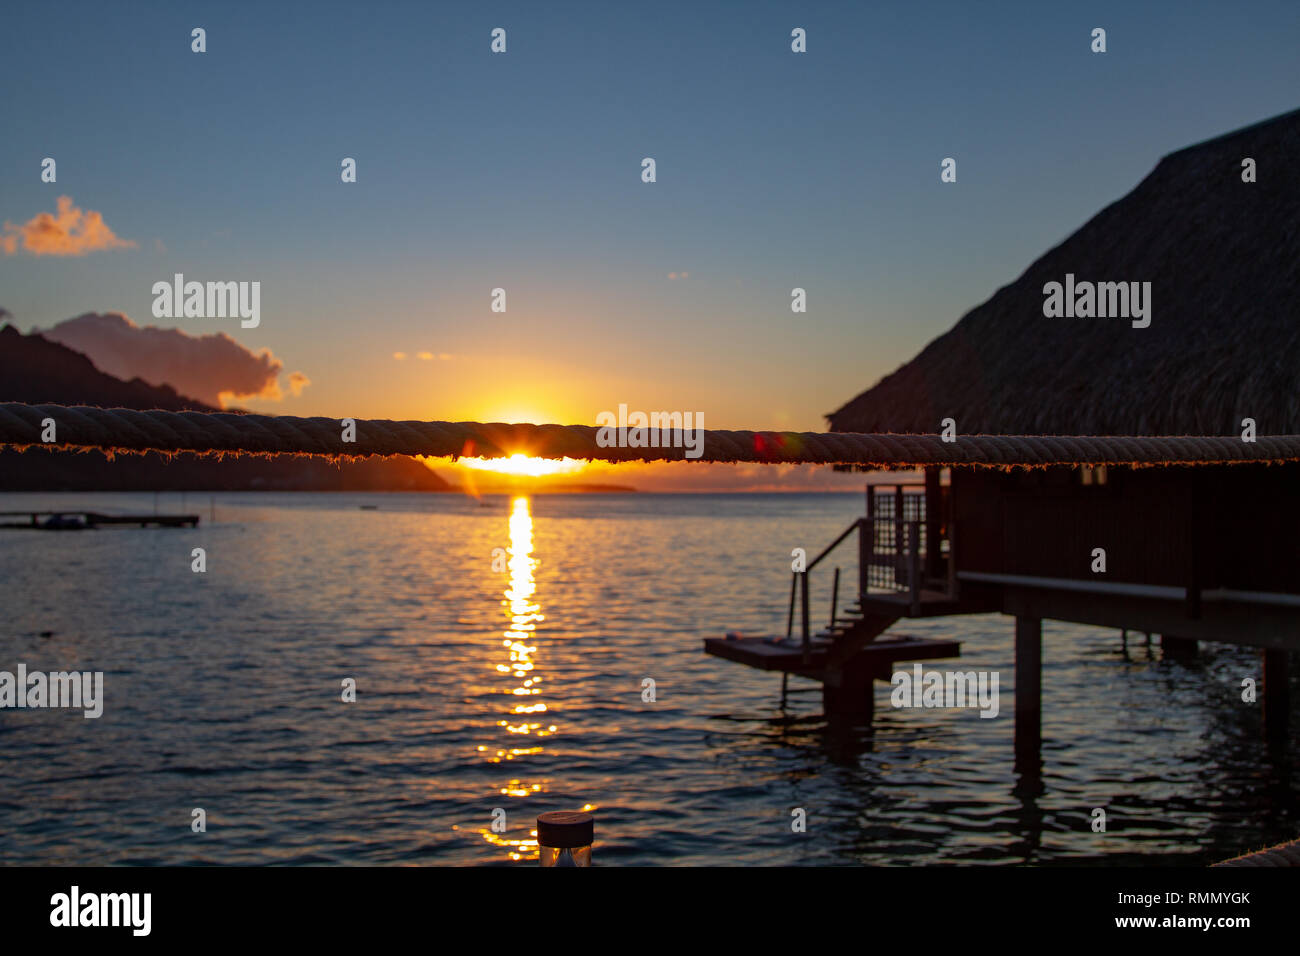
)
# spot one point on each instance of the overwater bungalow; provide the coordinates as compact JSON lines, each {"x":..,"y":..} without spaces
{"x":1073,"y":485}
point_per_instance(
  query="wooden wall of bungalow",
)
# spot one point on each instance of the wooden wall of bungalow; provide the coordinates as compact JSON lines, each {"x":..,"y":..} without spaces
{"x":1232,"y":526}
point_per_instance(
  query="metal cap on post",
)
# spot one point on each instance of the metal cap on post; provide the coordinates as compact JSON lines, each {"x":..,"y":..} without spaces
{"x":564,"y":838}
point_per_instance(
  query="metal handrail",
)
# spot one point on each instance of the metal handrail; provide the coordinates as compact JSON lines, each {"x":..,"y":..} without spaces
{"x":834,"y":544}
{"x":906,"y":558}
{"x":799,"y":582}
{"x":835,"y":597}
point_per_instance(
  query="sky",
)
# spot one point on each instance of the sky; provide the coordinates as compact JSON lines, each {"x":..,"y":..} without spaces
{"x":522,"y":171}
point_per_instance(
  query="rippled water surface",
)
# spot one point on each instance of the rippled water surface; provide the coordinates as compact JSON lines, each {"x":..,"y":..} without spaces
{"x":521,"y":689}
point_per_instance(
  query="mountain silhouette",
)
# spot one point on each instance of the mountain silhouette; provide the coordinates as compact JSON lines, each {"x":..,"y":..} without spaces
{"x":36,"y":371}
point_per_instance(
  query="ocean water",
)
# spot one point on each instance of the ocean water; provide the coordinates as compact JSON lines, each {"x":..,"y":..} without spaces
{"x":481,"y":689}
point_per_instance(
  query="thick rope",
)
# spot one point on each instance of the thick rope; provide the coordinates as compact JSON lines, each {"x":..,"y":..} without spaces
{"x":118,"y":430}
{"x":1284,"y":854}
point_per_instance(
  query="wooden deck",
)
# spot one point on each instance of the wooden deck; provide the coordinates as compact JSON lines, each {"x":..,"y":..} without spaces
{"x":775,"y":654}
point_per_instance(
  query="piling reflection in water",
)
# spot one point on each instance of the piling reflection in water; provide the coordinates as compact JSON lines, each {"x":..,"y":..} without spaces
{"x":528,"y":722}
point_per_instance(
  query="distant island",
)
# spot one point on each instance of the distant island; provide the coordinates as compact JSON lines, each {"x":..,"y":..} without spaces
{"x":37,"y":371}
{"x":541,"y":486}
{"x":588,"y":488}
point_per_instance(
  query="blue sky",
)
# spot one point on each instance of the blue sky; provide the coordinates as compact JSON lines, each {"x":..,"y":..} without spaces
{"x":522,"y":170}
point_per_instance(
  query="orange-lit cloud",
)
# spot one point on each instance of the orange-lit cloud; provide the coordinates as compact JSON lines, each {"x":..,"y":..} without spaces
{"x":70,"y":232}
{"x":214,"y":369}
{"x":425,"y":356}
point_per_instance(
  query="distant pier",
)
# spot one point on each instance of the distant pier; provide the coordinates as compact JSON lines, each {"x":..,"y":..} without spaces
{"x":81,"y":520}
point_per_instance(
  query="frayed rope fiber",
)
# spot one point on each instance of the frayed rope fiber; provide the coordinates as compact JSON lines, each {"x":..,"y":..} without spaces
{"x":1284,"y":854}
{"x":119,"y":430}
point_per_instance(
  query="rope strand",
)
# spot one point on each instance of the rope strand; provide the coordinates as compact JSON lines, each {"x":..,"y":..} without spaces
{"x":124,"y":430}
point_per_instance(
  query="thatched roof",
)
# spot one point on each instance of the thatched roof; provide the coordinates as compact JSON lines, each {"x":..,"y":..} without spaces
{"x":1223,"y":257}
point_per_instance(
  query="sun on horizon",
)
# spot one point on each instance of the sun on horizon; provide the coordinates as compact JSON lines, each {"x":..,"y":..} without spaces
{"x":527,"y":466}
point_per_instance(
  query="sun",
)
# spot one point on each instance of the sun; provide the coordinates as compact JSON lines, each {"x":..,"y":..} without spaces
{"x":525,"y":465}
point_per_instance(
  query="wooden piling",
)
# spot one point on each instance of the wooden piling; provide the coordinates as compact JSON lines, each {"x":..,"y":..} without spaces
{"x":1277,"y":695}
{"x":1029,"y":682}
{"x":848,"y":691}
{"x":1175,"y":648}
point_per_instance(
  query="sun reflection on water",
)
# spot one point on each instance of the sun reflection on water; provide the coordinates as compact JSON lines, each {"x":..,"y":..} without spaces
{"x":526,"y":719}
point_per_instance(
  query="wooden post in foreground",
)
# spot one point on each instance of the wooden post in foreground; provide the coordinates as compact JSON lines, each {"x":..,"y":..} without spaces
{"x":564,"y":838}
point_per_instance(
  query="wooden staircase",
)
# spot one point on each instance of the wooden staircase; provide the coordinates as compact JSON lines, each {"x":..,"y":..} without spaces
{"x":852,"y":650}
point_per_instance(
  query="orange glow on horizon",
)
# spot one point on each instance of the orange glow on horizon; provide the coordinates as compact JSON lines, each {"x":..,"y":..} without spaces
{"x":523,"y":465}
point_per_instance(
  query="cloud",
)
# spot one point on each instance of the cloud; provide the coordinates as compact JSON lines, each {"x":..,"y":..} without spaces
{"x":425,"y":356}
{"x":72,"y":232}
{"x":214,"y":369}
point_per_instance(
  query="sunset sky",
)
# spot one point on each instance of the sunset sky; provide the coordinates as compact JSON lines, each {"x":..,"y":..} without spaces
{"x":522,"y":171}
